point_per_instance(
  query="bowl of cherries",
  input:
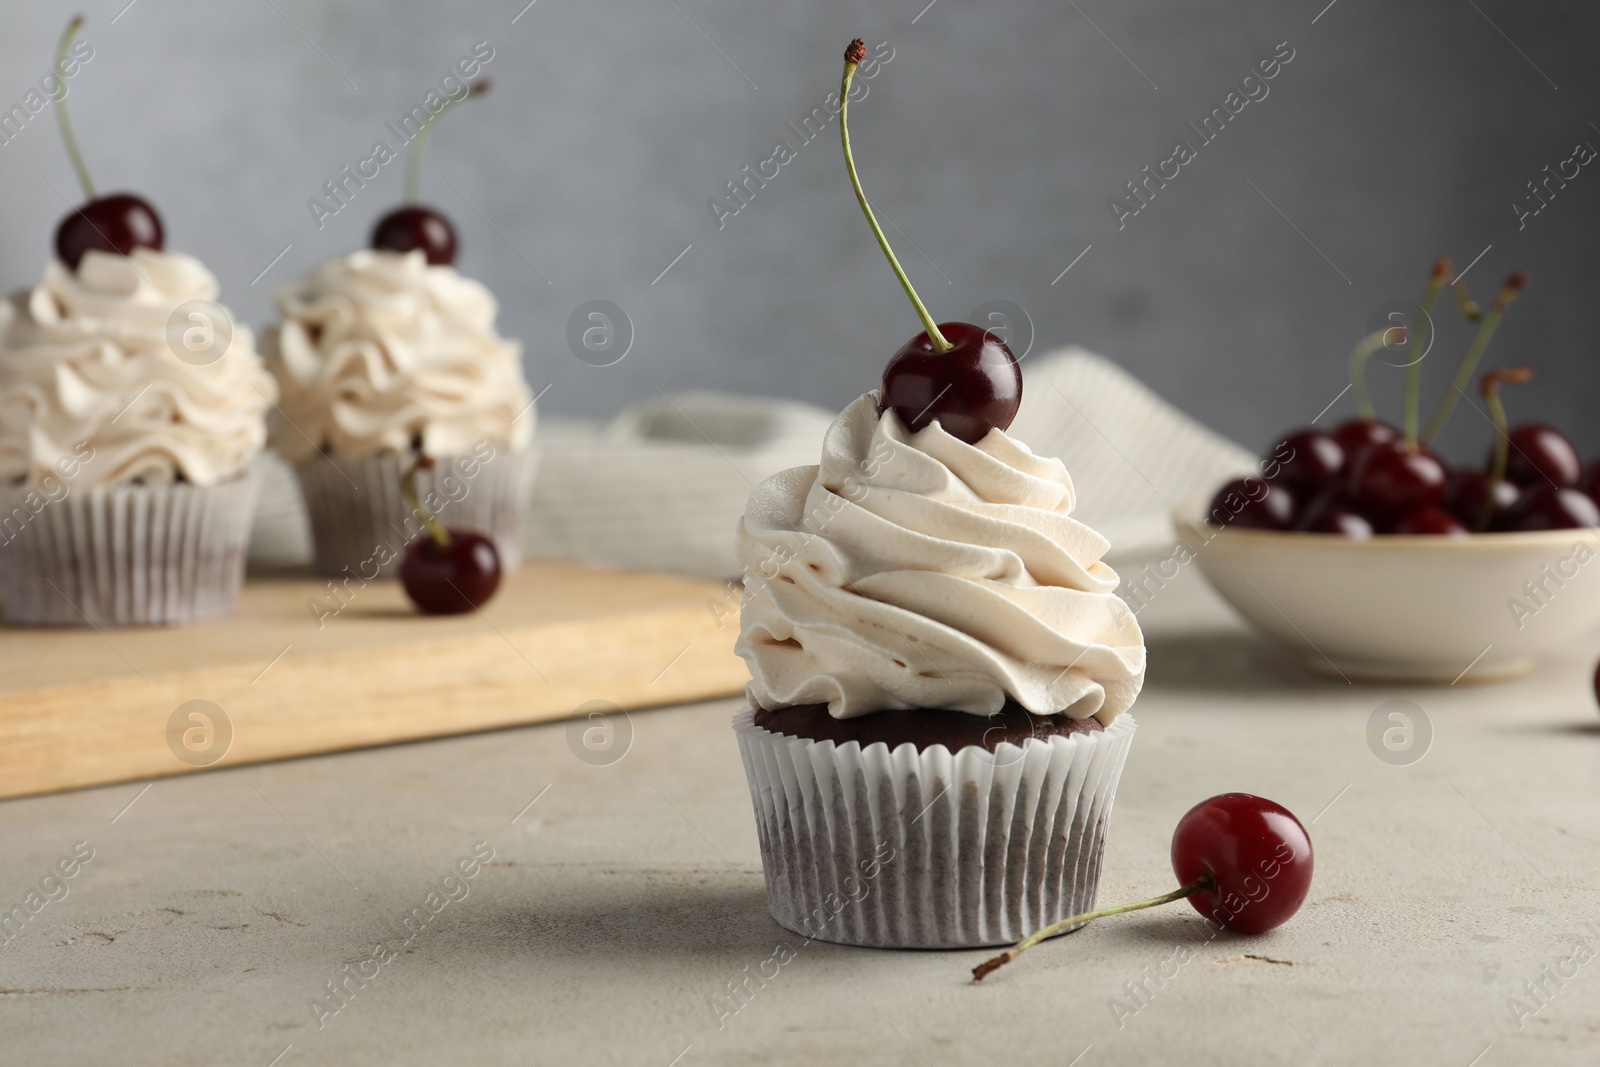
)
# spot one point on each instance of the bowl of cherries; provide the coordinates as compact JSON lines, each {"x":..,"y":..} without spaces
{"x":1377,"y":560}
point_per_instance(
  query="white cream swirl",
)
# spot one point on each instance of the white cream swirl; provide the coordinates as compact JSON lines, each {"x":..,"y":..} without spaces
{"x":92,"y":386}
{"x":378,"y":349}
{"x":918,"y":571}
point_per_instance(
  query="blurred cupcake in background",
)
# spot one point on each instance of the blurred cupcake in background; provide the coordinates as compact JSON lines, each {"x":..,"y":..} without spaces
{"x":391,"y":368}
{"x":130,"y":409}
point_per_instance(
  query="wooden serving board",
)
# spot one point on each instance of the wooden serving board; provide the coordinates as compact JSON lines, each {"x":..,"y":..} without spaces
{"x":277,"y":679}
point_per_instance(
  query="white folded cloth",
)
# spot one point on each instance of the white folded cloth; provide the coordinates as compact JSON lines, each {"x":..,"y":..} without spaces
{"x":662,"y":485}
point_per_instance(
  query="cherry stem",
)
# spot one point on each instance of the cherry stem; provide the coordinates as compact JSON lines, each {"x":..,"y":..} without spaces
{"x":420,"y":138}
{"x":1205,"y":882}
{"x":853,"y":55}
{"x":62,"y":118}
{"x":1358,"y":366}
{"x":1487,"y":323}
{"x":1436,"y":280}
{"x":408,"y":486}
{"x":1502,"y":442}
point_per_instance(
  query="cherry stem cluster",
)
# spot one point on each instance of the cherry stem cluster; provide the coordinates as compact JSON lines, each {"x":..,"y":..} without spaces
{"x":62,"y":118}
{"x":1201,"y":884}
{"x":1502,"y":443}
{"x":1358,"y":365}
{"x":1487,"y":322}
{"x":420,"y":139}
{"x":408,"y":486}
{"x":1436,"y":280}
{"x":852,"y":56}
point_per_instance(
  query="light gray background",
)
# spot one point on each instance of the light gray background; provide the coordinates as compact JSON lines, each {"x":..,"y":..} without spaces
{"x":993,"y":140}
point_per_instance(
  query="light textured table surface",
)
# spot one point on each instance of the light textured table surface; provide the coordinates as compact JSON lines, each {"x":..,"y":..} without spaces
{"x":622,"y":907}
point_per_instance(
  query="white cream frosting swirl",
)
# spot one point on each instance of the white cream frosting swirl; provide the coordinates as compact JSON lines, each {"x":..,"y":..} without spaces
{"x":88,"y":369}
{"x":918,"y":571}
{"x":380,"y":348}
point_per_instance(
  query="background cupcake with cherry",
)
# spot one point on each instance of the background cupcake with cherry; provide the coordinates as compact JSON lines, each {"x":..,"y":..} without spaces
{"x":940,"y":668}
{"x":390,"y":366}
{"x":130,"y":409}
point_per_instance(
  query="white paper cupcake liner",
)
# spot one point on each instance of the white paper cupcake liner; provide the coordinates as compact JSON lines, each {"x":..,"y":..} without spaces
{"x":125,"y":555}
{"x":360,"y":519}
{"x":925,"y":849}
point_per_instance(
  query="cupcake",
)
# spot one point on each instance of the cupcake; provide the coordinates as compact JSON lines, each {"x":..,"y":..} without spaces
{"x":384,"y":358}
{"x":940,"y":667}
{"x":130,"y":409}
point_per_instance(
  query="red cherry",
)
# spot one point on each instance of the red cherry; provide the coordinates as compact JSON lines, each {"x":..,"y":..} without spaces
{"x":1307,"y":460}
{"x":450,"y":579}
{"x":970,"y":389}
{"x":1256,"y":852}
{"x":1432,"y":521}
{"x":118,"y":224}
{"x":1546,"y":507}
{"x":409,"y":228}
{"x":1253,"y":503}
{"x":1357,"y":435}
{"x":1540,"y":454}
{"x":1589,"y":481}
{"x":1390,"y":481}
{"x":1469,"y":489}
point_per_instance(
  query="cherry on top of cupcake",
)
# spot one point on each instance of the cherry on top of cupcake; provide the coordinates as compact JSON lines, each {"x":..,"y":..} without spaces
{"x":117,"y":223}
{"x":413,"y":227}
{"x":954,"y":373}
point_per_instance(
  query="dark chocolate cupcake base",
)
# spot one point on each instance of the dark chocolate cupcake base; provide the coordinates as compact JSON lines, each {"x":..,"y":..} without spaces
{"x":923,"y":727}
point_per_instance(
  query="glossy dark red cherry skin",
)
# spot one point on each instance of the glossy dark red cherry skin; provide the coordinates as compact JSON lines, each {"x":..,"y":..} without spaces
{"x":1547,"y":507}
{"x":1589,"y":481}
{"x":972,"y":388}
{"x":413,"y":227}
{"x":1306,"y":460}
{"x":1469,"y":489}
{"x":1253,"y":503}
{"x":450,"y":579}
{"x":1540,"y":453}
{"x":1331,"y":512}
{"x":1432,"y":522}
{"x":1357,"y":435}
{"x":117,"y":224}
{"x":1256,"y":851}
{"x":1389,"y":481}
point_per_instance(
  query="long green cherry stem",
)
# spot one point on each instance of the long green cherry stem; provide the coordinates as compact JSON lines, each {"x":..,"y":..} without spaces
{"x":420,"y":139}
{"x":852,"y":56}
{"x":408,"y":487}
{"x":1502,"y":443}
{"x":1441,"y":271}
{"x":989,"y":966}
{"x":1487,"y":322}
{"x":1358,"y":365}
{"x":62,"y":118}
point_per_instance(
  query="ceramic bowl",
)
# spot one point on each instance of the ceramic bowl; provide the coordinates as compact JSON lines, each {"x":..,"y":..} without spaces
{"x":1425,"y":610}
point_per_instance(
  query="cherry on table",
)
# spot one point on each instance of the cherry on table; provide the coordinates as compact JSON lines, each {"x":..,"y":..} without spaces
{"x":1541,"y":453}
{"x":1257,"y":854}
{"x":452,"y":578}
{"x":1548,"y":507}
{"x":971,"y":388}
{"x":1253,"y":503}
{"x":1432,"y":521}
{"x":1389,"y":481}
{"x":412,"y":228}
{"x":117,"y":224}
{"x":1307,"y":459}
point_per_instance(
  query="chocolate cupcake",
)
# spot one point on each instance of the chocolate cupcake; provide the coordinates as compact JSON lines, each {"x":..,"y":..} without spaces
{"x":383,"y":357}
{"x":940,"y":679}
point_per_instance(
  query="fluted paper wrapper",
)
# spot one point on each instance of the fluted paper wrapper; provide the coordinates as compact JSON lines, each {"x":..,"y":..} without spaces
{"x":130,"y":555}
{"x":918,"y":848}
{"x":360,"y":518}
